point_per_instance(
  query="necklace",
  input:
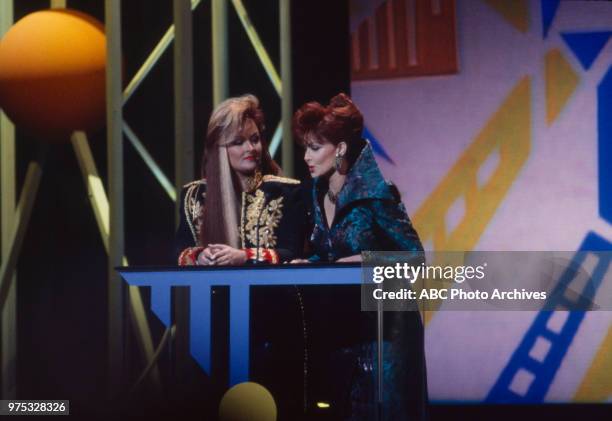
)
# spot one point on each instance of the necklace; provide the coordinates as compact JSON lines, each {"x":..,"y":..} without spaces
{"x":252,"y":183}
{"x":333,"y":197}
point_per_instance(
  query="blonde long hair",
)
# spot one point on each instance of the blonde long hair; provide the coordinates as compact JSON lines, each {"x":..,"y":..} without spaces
{"x":222,"y":208}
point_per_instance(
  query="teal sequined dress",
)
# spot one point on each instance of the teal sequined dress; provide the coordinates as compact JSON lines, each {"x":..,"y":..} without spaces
{"x":369,"y":216}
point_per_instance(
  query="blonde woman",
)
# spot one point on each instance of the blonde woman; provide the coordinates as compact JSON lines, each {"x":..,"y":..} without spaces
{"x":241,"y":210}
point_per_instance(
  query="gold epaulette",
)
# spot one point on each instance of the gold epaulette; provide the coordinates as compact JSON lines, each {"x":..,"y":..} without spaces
{"x":278,"y":179}
{"x":195,"y":182}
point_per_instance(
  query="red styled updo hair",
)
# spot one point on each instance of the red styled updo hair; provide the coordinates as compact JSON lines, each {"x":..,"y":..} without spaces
{"x":340,"y":121}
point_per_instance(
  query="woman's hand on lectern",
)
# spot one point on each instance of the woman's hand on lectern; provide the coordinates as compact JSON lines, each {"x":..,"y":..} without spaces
{"x":224,"y":255}
{"x":205,"y":258}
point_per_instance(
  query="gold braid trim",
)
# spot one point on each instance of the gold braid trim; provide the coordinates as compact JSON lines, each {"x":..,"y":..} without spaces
{"x":278,"y":179}
{"x":253,"y":183}
{"x":195,"y":183}
{"x":266,"y":216}
{"x":189,"y":208}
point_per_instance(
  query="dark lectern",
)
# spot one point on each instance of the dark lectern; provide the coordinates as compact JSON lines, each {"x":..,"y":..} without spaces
{"x":240,"y":280}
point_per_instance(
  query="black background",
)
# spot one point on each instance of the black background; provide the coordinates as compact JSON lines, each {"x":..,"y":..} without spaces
{"x":62,"y":270}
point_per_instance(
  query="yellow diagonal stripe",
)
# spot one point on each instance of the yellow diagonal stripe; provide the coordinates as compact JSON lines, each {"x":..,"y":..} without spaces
{"x":515,"y":12}
{"x":561,"y":82}
{"x":262,"y":54}
{"x":508,"y":132}
{"x":597,"y":383}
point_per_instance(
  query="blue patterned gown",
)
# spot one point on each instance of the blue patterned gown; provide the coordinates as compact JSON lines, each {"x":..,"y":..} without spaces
{"x":369,"y":216}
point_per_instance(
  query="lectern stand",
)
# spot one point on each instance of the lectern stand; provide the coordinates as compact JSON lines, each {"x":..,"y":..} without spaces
{"x":169,"y":282}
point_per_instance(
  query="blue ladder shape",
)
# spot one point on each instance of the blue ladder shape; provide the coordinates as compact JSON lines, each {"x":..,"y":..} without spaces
{"x":604,"y":155}
{"x":543,"y":372}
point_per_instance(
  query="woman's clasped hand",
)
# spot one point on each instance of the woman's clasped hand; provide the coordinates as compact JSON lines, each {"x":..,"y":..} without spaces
{"x":221,"y":255}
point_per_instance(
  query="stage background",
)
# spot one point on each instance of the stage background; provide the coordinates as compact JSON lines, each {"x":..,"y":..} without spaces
{"x":549,"y":195}
{"x":497,"y":133}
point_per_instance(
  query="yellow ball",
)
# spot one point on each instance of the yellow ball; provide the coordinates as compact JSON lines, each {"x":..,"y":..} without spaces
{"x":52,"y":73}
{"x":247,"y":401}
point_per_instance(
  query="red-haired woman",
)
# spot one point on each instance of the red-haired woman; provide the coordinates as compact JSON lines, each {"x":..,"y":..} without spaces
{"x":240,"y":210}
{"x":355,"y":210}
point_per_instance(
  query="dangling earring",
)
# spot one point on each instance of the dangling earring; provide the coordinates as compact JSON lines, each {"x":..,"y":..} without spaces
{"x":338,"y":161}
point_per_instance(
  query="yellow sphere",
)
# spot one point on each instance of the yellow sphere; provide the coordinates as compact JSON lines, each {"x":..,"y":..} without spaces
{"x":247,"y":401}
{"x":52,"y":72}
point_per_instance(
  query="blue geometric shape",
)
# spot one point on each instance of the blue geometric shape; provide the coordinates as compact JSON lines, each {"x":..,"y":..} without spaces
{"x":544,"y":372}
{"x":594,"y":242}
{"x":604,"y":156}
{"x":586,"y":46}
{"x":377,"y":146}
{"x":202,"y":279}
{"x":201,"y":337}
{"x":239,"y":333}
{"x":160,"y":304}
{"x":549,"y":9}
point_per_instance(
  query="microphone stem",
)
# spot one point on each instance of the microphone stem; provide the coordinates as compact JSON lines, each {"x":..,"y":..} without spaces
{"x":258,"y":226}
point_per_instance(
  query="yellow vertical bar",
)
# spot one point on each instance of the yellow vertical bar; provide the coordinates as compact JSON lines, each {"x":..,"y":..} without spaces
{"x":99,"y":204}
{"x":183,"y":98}
{"x":287,"y":90}
{"x":7,"y":218}
{"x":114,"y":119}
{"x":220,"y":55}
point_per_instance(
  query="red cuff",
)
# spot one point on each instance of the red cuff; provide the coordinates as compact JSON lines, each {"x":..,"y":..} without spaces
{"x":189,"y":256}
{"x":262,"y":255}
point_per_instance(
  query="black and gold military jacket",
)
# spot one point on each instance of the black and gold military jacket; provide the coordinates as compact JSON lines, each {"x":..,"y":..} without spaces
{"x":272,"y":218}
